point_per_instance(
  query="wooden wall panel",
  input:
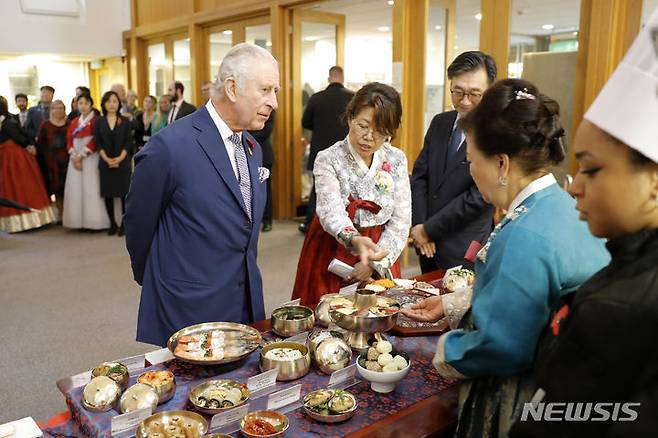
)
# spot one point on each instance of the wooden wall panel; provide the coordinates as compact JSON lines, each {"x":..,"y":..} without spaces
{"x":153,"y":11}
{"x":495,"y":32}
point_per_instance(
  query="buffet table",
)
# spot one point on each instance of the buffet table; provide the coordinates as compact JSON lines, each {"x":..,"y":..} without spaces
{"x":423,"y":404}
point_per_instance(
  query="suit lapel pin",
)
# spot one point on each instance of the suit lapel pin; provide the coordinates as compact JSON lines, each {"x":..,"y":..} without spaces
{"x":251,"y":146}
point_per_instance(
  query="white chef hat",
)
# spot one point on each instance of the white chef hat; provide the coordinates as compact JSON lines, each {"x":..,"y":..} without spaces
{"x":627,"y":107}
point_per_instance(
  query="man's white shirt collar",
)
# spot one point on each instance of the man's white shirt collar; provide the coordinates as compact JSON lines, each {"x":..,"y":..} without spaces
{"x":225,"y":133}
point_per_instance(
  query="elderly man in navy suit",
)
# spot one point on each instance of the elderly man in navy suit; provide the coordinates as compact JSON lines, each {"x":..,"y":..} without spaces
{"x":448,"y":211}
{"x":195,"y":205}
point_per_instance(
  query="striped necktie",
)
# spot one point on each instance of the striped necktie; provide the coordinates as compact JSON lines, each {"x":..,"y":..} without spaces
{"x":243,"y":172}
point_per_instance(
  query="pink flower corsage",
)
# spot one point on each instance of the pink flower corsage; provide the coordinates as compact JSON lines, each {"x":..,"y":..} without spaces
{"x":386,"y":166}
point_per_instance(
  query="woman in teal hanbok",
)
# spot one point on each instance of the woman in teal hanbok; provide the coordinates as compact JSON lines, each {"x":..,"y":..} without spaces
{"x":537,"y":253}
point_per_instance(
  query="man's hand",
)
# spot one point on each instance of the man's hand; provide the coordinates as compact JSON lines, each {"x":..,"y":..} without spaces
{"x":31,"y":149}
{"x":422,"y":241}
{"x":361,"y":272}
{"x":367,"y":250}
{"x":427,"y":249}
{"x":428,"y":310}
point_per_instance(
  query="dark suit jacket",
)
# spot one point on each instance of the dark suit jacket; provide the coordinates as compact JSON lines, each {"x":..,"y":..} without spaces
{"x":185,"y":110}
{"x":192,"y":246}
{"x":35,"y":116}
{"x":324,"y":116}
{"x":264,"y":139}
{"x":444,"y":196}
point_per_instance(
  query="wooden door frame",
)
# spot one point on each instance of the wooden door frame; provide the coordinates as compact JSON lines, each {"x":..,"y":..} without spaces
{"x":299,"y":16}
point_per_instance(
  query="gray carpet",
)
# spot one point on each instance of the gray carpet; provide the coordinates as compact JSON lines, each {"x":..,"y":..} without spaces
{"x":68,"y":302}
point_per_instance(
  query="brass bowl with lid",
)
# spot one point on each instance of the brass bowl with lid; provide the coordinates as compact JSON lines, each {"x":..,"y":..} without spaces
{"x":322,"y":316}
{"x":292,"y":320}
{"x":331,"y":355}
{"x":100,"y":394}
{"x":163,"y":381}
{"x":289,"y":369}
{"x":139,"y":396}
{"x":115,"y":371}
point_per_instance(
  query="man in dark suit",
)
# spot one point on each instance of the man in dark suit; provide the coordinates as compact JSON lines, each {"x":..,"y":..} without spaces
{"x":179,"y":108}
{"x":194,"y":208}
{"x":36,"y":115}
{"x":448,"y":211}
{"x":324,"y":117}
{"x":21,"y":104}
{"x":264,"y":139}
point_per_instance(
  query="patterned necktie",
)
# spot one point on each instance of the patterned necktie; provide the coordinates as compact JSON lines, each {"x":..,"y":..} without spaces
{"x":243,"y":172}
{"x":455,"y":141}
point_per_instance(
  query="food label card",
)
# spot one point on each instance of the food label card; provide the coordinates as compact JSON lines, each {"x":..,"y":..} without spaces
{"x":343,"y":375}
{"x":284,"y":397}
{"x":300,"y":338}
{"x":159,"y":356}
{"x":231,"y":416}
{"x":80,"y":379}
{"x":134,"y":363}
{"x":125,"y":422}
{"x":292,"y":303}
{"x":263,"y":380}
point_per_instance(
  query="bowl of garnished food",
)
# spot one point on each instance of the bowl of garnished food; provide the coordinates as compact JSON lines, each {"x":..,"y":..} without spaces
{"x":330,"y":406}
{"x":163,"y":381}
{"x":383,"y":366}
{"x":292,"y":320}
{"x":365,"y":311}
{"x":268,"y":424}
{"x":215,"y":396}
{"x":173,"y":424}
{"x":292,"y":359}
{"x":115,"y":371}
{"x":457,"y":278}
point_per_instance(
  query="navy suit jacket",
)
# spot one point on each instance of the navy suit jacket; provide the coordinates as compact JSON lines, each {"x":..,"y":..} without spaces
{"x":445,"y":198}
{"x":191,"y":243}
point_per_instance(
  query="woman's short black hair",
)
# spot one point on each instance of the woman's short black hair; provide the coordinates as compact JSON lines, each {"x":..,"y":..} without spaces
{"x":471,"y":61}
{"x":87,"y":97}
{"x":514,"y":118}
{"x":106,"y":97}
{"x":386,"y":102}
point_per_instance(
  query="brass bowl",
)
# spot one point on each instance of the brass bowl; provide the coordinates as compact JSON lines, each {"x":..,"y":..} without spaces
{"x":331,"y":355}
{"x":119,"y":375}
{"x":364,"y":298}
{"x":163,"y":381}
{"x":139,"y":396}
{"x":201,"y":389}
{"x":317,"y":336}
{"x":330,"y":418}
{"x":276,"y":419}
{"x":101,"y":394}
{"x":288,"y":369}
{"x":322,"y":316}
{"x":303,"y":321}
{"x":168,"y":418}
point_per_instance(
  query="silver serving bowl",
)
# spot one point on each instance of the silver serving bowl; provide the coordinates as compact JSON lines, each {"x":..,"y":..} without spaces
{"x":101,"y":394}
{"x":272,"y":417}
{"x":292,"y":320}
{"x":288,"y":369}
{"x":139,"y":396}
{"x":319,"y":335}
{"x":164,"y":420}
{"x":166,"y":387}
{"x":362,"y":299}
{"x":242,"y":339}
{"x":332,"y":354}
{"x":322,"y":316}
{"x":201,"y":389}
{"x":330,"y":418}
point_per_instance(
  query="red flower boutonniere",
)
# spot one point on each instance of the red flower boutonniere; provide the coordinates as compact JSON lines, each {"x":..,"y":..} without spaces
{"x":386,"y":166}
{"x":252,"y":145}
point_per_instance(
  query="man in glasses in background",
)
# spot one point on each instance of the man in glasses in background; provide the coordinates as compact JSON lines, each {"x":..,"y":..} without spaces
{"x":448,"y":211}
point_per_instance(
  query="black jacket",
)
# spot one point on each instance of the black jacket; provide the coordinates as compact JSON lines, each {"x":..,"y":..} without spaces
{"x":324,"y":116}
{"x":11,"y":130}
{"x":606,"y":347}
{"x":264,"y":139}
{"x":184,"y":110}
{"x":444,"y":196}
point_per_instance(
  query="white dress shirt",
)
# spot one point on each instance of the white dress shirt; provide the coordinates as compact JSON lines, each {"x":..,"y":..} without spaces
{"x":225,"y":132}
{"x":175,"y":109}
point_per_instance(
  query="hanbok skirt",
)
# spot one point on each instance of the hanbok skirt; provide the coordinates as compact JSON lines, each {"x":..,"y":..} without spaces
{"x":319,"y":249}
{"x":83,"y":205}
{"x":21,"y":181}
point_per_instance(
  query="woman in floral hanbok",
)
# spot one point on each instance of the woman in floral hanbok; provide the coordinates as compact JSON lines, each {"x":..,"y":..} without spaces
{"x":363,"y":209}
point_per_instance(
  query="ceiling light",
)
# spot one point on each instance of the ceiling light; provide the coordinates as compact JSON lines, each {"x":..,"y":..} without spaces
{"x":268,"y":44}
{"x":390,"y":2}
{"x":575,"y":34}
{"x":437,"y":27}
{"x":548,"y":27}
{"x":311,"y":38}
{"x":228,"y":32}
{"x":456,"y":47}
{"x":383,"y":28}
{"x":478,"y":16}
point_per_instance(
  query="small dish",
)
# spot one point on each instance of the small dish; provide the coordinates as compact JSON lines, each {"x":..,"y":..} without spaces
{"x":256,"y":424}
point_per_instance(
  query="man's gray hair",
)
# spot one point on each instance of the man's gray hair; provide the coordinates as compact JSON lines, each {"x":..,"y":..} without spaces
{"x":239,"y":63}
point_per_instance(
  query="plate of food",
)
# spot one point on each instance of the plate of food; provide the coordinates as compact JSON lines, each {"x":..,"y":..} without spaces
{"x":213,"y":343}
{"x":330,"y":406}
{"x":264,"y":424}
{"x":173,"y":424}
{"x":215,"y":396}
{"x":457,"y":277}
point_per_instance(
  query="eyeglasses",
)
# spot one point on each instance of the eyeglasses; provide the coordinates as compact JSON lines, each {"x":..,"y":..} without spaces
{"x":363,"y":130}
{"x":472,"y":96}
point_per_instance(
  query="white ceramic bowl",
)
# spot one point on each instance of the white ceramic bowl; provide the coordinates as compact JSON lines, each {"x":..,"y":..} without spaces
{"x":381,"y":381}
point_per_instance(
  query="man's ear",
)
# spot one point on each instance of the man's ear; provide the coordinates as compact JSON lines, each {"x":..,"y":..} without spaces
{"x":231,"y":88}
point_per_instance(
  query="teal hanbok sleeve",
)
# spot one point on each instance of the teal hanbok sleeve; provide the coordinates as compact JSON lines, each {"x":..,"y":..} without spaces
{"x":512,"y":300}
